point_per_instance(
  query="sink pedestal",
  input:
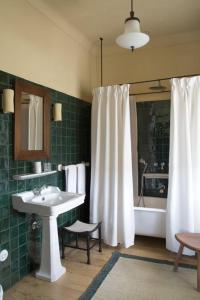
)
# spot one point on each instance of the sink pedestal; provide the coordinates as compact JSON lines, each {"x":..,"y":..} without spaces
{"x":49,"y":205}
{"x":50,"y":267}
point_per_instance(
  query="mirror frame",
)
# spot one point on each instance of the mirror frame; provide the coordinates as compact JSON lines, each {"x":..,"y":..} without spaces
{"x":19,"y":153}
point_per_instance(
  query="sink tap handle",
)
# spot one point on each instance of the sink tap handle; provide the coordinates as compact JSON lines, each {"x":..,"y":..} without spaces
{"x":36,"y":191}
{"x":44,"y":186}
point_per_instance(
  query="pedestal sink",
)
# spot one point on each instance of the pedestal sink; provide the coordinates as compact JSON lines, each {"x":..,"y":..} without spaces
{"x":49,"y":204}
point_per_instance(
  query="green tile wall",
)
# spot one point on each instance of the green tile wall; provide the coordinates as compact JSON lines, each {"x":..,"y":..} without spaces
{"x":70,"y":143}
{"x":153,"y":121}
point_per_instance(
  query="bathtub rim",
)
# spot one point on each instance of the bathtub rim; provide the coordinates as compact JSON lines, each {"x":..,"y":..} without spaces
{"x":152,"y":209}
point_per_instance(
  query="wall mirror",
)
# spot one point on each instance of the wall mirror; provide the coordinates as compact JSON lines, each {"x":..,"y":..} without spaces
{"x":32,"y":121}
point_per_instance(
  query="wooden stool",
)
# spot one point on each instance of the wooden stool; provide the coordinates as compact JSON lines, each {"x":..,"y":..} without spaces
{"x":191,"y":241}
{"x":82,"y":229}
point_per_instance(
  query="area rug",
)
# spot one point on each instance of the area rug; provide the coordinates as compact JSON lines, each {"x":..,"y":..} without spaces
{"x":127,"y":277}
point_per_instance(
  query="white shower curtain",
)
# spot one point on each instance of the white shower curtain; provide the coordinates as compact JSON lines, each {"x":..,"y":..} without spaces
{"x":134,"y":146}
{"x":183,"y":204}
{"x":111,"y":198}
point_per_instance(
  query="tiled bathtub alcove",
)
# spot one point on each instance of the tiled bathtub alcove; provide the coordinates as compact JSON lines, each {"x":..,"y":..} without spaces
{"x":153,"y":119}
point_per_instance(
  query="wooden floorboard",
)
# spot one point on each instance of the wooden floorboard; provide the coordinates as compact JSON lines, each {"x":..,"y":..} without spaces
{"x":79,"y":275}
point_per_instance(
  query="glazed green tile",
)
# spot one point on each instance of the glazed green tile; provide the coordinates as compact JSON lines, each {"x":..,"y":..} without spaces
{"x":3,"y":151}
{"x":15,"y":276}
{"x":23,"y":250}
{"x":5,"y":246}
{"x":22,"y":217}
{"x":13,"y":186}
{"x":23,"y":272}
{"x":15,"y":264}
{"x":6,"y":283}
{"x":23,"y":228}
{"x":22,"y":238}
{"x":4,"y":224}
{"x":5,"y":212}
{"x":60,"y":220}
{"x":20,"y":164}
{"x":14,"y":243}
{"x":4,"y":78}
{"x":4,"y":177}
{"x":5,"y":270}
{"x":13,"y":219}
{"x":23,"y":261}
{"x":21,"y":186}
{"x":4,"y":236}
{"x":14,"y":232}
{"x":153,"y":144}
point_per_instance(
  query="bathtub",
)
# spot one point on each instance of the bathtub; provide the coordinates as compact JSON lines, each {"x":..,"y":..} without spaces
{"x":150,"y":220}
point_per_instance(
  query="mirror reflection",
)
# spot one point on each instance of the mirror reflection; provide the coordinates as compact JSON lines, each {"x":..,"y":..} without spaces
{"x":32,"y":122}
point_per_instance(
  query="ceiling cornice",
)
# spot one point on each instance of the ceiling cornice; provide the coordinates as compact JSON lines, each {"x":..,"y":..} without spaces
{"x":61,"y":23}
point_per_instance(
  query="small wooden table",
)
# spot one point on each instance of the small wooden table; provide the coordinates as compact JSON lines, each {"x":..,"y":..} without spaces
{"x":191,"y":241}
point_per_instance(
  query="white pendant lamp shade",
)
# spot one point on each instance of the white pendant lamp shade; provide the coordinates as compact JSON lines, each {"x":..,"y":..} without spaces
{"x":132,"y":37}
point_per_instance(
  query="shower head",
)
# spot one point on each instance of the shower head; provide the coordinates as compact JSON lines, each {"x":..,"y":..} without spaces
{"x":142,"y":161}
{"x":158,"y":87}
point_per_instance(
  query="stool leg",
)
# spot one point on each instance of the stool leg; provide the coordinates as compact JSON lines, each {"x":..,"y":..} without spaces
{"x":198,"y":271}
{"x":88,"y":249}
{"x":100,"y":248}
{"x":62,"y":244}
{"x":76,"y":240}
{"x":178,"y":257}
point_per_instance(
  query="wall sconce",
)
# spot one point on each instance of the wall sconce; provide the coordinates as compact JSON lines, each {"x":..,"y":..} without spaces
{"x":8,"y":101}
{"x":57,"y":112}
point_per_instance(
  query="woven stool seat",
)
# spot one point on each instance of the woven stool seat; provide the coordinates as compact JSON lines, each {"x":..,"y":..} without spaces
{"x":81,"y":229}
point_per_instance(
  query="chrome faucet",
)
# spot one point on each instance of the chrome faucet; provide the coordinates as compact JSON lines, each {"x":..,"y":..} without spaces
{"x":37,"y":191}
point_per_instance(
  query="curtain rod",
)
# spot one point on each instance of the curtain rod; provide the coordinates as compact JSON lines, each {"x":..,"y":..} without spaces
{"x":168,"y":91}
{"x":137,"y":82}
{"x":101,"y":40}
{"x":167,"y":78}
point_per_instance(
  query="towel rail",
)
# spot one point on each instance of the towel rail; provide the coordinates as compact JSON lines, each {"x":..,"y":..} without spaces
{"x":87,"y":164}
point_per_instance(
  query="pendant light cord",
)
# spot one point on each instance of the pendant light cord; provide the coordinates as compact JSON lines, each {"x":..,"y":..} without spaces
{"x":132,"y":12}
{"x":101,"y":39}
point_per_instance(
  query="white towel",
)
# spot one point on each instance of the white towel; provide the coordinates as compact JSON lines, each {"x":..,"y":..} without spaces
{"x":81,"y":178}
{"x":70,"y":178}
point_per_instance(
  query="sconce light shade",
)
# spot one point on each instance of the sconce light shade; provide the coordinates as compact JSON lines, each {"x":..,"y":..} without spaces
{"x":57,"y":112}
{"x":8,"y":101}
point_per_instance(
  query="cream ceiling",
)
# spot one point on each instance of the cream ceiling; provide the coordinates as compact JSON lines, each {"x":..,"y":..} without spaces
{"x":95,"y":18}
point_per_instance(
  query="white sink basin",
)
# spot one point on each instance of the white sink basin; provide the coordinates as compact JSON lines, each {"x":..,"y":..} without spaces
{"x":49,"y":204}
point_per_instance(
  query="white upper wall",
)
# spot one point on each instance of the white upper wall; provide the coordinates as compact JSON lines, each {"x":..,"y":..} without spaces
{"x":38,"y":44}
{"x":167,"y":56}
{"x":35,"y":48}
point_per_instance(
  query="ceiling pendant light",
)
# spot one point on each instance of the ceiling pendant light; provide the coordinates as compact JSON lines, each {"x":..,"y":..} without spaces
{"x":132,"y":37}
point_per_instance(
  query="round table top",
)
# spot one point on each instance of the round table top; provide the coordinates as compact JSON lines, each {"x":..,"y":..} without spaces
{"x":190,"y":240}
